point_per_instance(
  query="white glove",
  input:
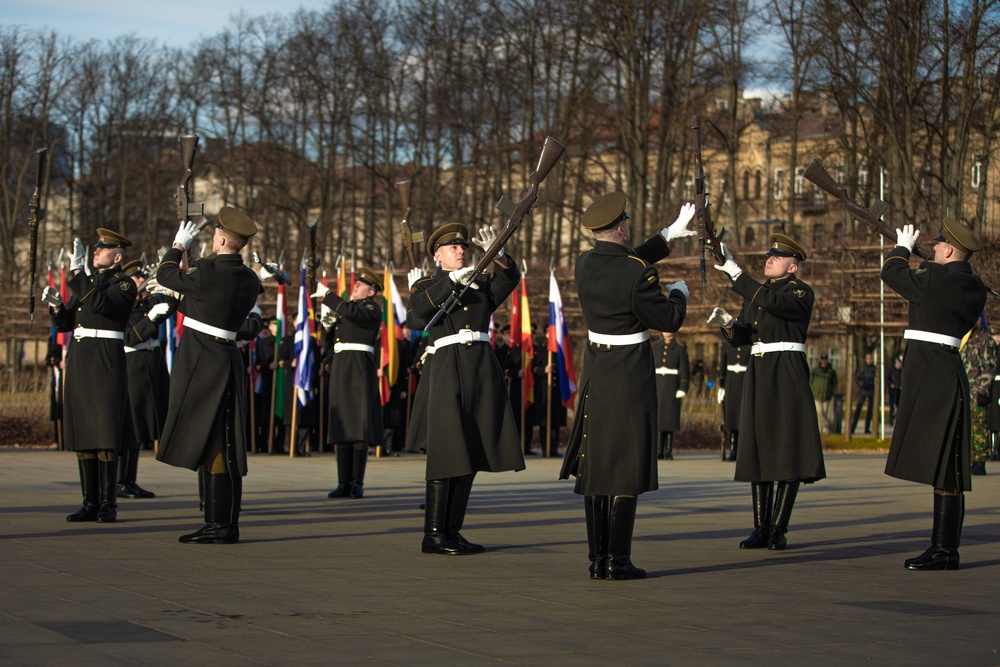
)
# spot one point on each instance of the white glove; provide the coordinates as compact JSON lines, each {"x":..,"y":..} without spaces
{"x":487,"y":235}
{"x":154,"y":287}
{"x":721,"y":317}
{"x":678,"y":229}
{"x":414,"y":274}
{"x":158,"y":312}
{"x":321,"y":291}
{"x":722,"y":395}
{"x":680,"y":393}
{"x":462,"y":276}
{"x":185,"y":234}
{"x":907,"y":237}
{"x":326,"y":317}
{"x":729,"y":266}
{"x":79,"y":257}
{"x":679,"y":285}
{"x":51,"y":296}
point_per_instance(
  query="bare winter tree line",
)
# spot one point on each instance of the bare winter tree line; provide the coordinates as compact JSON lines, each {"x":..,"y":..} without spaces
{"x":315,"y":115}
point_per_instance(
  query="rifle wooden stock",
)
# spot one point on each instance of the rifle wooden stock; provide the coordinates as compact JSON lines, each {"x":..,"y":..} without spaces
{"x":552,"y":150}
{"x":185,"y":209}
{"x":37,"y":209}
{"x":410,"y":240}
{"x":707,"y":238}
{"x":816,"y":173}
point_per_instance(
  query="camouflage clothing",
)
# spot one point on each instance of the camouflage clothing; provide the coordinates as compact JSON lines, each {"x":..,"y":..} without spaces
{"x":979,"y":356}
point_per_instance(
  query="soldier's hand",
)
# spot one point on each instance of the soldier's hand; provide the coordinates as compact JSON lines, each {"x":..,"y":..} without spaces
{"x":721,"y":395}
{"x":721,"y":317}
{"x":462,"y":276}
{"x":680,"y":393}
{"x":79,"y":257}
{"x":414,"y":274}
{"x":907,"y":237}
{"x":186,"y":233}
{"x":154,"y":287}
{"x":487,"y":235}
{"x":730,"y":266}
{"x":321,"y":291}
{"x":158,"y":312}
{"x":678,"y":229}
{"x":51,"y":296}
{"x":680,"y":286}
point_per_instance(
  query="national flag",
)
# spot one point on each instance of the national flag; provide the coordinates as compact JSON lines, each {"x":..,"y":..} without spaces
{"x":64,"y":291}
{"x":279,"y":372}
{"x":305,"y":359}
{"x":527,"y":347}
{"x":390,"y":330}
{"x":493,"y":333}
{"x":515,"y":319}
{"x":343,"y":289}
{"x":559,"y":344}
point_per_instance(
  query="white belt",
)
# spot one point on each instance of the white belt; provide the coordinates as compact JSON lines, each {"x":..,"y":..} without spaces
{"x":736,"y":368}
{"x":760,"y":349}
{"x":84,"y":332}
{"x":150,"y":344}
{"x":624,"y":339}
{"x":463,"y":336}
{"x":191,"y":323}
{"x":931,"y":337}
{"x":663,"y":370}
{"x":352,"y":347}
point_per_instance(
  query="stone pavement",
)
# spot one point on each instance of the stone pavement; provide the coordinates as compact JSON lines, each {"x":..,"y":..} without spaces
{"x":343,"y":582}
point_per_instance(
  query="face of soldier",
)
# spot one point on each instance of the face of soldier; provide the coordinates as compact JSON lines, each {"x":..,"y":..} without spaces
{"x":138,"y":280}
{"x":361,"y":290}
{"x":777,"y":267}
{"x":451,"y":257}
{"x":105,"y":258}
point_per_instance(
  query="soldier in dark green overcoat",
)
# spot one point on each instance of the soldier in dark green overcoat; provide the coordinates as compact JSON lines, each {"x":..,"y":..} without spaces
{"x":673,"y":375}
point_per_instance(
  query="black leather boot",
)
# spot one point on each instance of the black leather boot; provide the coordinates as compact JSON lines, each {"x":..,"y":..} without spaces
{"x":201,"y":489}
{"x":946,"y":535}
{"x":219,"y":513}
{"x":762,"y":494}
{"x":89,"y":482}
{"x":621,"y":523}
{"x":784,"y":501}
{"x":668,"y":446}
{"x":436,"y":541}
{"x":661,"y":445}
{"x":994,"y":439}
{"x":358,"y":466}
{"x":108,"y":472}
{"x":596,"y":511}
{"x":237,"y":507}
{"x":345,"y":467}
{"x":734,"y":437}
{"x":128,"y":470}
{"x":459,"y":489}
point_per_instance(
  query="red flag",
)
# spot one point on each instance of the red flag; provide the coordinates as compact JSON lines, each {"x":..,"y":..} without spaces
{"x":527,"y":348}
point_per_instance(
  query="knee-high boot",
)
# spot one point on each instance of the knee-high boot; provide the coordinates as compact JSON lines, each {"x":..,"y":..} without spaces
{"x":436,"y":541}
{"x":89,"y":482}
{"x":219,"y":512}
{"x":596,"y":511}
{"x":762,"y":494}
{"x":734,"y":437}
{"x":358,"y":465}
{"x":621,"y":523}
{"x":668,"y":446}
{"x":345,"y":468}
{"x":128,"y":471}
{"x":784,"y":501}
{"x":458,"y":501}
{"x":949,"y":511}
{"x":237,"y":506}
{"x":994,"y":446}
{"x":108,"y":472}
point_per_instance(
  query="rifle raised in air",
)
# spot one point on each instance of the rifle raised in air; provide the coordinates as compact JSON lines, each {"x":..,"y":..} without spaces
{"x":552,"y":150}
{"x":411,"y":241}
{"x":186,"y":209}
{"x":707,"y":238}
{"x":37,"y":208}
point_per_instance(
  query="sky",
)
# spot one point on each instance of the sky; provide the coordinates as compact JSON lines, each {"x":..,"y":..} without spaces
{"x":175,"y":23}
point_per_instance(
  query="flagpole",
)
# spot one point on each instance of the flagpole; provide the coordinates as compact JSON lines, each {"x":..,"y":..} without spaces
{"x":548,"y":408}
{"x":295,"y":419}
{"x":274,"y":390}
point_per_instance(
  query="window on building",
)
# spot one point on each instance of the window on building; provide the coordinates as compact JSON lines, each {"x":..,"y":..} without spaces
{"x":799,"y":181}
{"x":838,"y":231}
{"x":779,"y":183}
{"x":748,"y":236}
{"x":977,"y":171}
{"x":818,"y":233}
{"x":757,"y":178}
{"x":721,"y":104}
{"x":862,"y":175}
{"x":746,"y":185}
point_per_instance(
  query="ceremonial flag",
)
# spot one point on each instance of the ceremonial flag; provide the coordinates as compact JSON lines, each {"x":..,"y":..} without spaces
{"x":515,"y":319}
{"x":305,"y":359}
{"x":64,"y":291}
{"x":559,"y":344}
{"x":527,"y":347}
{"x":342,"y":287}
{"x":279,"y":372}
{"x":387,"y":341}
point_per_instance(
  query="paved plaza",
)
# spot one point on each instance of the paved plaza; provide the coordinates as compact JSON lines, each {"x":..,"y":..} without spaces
{"x":342,"y":582}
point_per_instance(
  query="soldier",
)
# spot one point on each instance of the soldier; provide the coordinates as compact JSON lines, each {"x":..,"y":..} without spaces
{"x":931,"y":437}
{"x":865,"y":380}
{"x":96,"y":412}
{"x":993,"y":411}
{"x":207,"y":421}
{"x":979,"y":357}
{"x":355,"y":417}
{"x":673,"y":373}
{"x":148,"y":379}
{"x":469,"y":423}
{"x":779,"y":431}
{"x":823,"y":383}
{"x":610,"y":449}
{"x":733,"y":362}
{"x":893,"y":383}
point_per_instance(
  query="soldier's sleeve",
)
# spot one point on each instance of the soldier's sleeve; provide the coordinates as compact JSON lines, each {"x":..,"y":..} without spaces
{"x":427,"y":295}
{"x":65,"y":319}
{"x":911,"y":284}
{"x":365,"y":313}
{"x":652,"y":250}
{"x":794,"y":303}
{"x":654,"y":308}
{"x":186,"y":281}
{"x":741,"y":333}
{"x":503,"y":283}
{"x":251,"y":326}
{"x":113,"y":297}
{"x":141,"y":329}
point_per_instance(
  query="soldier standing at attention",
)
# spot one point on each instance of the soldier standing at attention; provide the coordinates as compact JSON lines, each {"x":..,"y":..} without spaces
{"x":355,"y":422}
{"x":96,"y":422}
{"x":733,"y":362}
{"x":779,"y":431}
{"x":207,"y":421}
{"x":611,"y":447}
{"x":469,"y":426}
{"x":932,"y":434}
{"x":672,"y":376}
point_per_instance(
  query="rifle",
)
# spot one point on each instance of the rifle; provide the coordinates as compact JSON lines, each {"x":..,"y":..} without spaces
{"x":707,"y":238}
{"x":186,"y":210}
{"x":37,"y":208}
{"x":816,"y":173}
{"x":411,"y":241}
{"x":552,"y":150}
